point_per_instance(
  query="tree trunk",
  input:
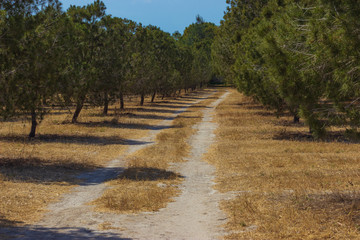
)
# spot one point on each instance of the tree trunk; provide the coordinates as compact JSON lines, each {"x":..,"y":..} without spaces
{"x":201,"y":85}
{"x":153,"y":97}
{"x":163,"y":96}
{"x":79,"y":106}
{"x":121,"y":101}
{"x":296,"y":118}
{"x":142,"y":99}
{"x":33,"y":124}
{"x":106,"y":104}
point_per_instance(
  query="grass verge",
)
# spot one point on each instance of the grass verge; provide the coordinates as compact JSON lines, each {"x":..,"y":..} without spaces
{"x":286,"y":186}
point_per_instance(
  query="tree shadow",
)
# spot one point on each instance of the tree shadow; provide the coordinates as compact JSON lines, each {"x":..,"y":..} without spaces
{"x":254,"y":107}
{"x":154,"y":110}
{"x":151,"y":116}
{"x":75,"y":139}
{"x":338,"y":203}
{"x":165,"y":106}
{"x":7,"y":223}
{"x":334,"y":136}
{"x":199,"y":106}
{"x":264,"y":113}
{"x":59,"y":112}
{"x":194,"y":98}
{"x":183,"y":99}
{"x":294,"y":136}
{"x":137,"y":126}
{"x":100,"y":175}
{"x":148,"y":174}
{"x":35,"y":170}
{"x":287,"y":123}
{"x":251,"y":105}
{"x":179,"y":102}
{"x":43,"y":233}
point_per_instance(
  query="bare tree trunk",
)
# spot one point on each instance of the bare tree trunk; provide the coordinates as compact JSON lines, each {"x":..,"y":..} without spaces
{"x":106,"y":104}
{"x":163,"y":96}
{"x":296,"y":118}
{"x":142,"y":99}
{"x":79,"y":106}
{"x":33,"y":124}
{"x":153,"y":97}
{"x":121,"y":101}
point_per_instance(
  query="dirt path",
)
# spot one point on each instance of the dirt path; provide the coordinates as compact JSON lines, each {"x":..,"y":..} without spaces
{"x":193,"y":215}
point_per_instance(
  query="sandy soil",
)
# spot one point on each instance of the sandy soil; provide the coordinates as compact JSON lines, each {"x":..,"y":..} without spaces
{"x":193,"y":215}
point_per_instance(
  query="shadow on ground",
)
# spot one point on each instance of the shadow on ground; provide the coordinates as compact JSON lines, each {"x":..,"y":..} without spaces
{"x":345,"y":204}
{"x":40,"y":233}
{"x":148,"y":174}
{"x":35,"y":170}
{"x":335,"y":136}
{"x":75,"y":139}
{"x":166,"y":106}
{"x":7,"y":223}
{"x":137,"y":126}
{"x":150,"y":116}
{"x":194,"y":98}
{"x":100,"y":175}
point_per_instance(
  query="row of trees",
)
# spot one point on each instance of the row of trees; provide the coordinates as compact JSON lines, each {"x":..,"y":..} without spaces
{"x":302,"y":56}
{"x":51,"y":57}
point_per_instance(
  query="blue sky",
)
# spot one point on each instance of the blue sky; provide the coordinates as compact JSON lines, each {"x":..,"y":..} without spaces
{"x":169,"y":15}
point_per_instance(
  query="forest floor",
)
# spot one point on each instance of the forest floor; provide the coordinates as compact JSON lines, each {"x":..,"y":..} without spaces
{"x":206,"y":165}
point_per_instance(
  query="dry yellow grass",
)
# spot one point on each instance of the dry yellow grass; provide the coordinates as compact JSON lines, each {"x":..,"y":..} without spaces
{"x":147,"y":185}
{"x":287,"y":186}
{"x":35,"y":173}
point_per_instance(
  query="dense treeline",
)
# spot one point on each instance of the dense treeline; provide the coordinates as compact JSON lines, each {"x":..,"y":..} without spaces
{"x":298,"y":56}
{"x":54,"y":58}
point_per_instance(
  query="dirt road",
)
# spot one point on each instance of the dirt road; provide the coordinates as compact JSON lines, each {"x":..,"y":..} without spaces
{"x":193,"y":215}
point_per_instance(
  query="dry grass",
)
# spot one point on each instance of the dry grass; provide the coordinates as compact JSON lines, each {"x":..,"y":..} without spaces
{"x":287,"y":185}
{"x":35,"y":173}
{"x":147,"y":185}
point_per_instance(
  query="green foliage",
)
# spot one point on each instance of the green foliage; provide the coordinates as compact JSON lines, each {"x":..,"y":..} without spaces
{"x":28,"y":56}
{"x":199,"y":37}
{"x":54,"y":58}
{"x":299,"y":56}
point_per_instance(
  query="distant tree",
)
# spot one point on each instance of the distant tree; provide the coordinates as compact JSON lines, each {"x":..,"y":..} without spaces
{"x":112,"y":62}
{"x":153,"y":62}
{"x":226,"y":47}
{"x":176,"y":35}
{"x":199,"y":37}
{"x":84,"y":44}
{"x":29,"y":53}
{"x":199,"y":19}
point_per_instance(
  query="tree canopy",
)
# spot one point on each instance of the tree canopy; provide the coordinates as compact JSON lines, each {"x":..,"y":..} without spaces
{"x":297,"y":56}
{"x":50,"y":57}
